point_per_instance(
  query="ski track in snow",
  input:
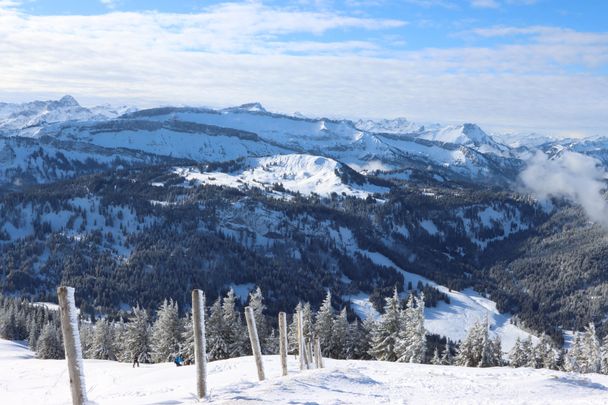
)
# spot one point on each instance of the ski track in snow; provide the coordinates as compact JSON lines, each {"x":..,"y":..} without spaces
{"x":26,"y":380}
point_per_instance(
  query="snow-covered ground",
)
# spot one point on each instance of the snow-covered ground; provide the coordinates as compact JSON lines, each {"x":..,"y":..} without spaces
{"x":296,"y":172}
{"x":25,"y":380}
{"x":452,"y":320}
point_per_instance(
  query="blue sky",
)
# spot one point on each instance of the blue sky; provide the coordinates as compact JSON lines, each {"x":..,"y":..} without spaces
{"x":509,"y":65}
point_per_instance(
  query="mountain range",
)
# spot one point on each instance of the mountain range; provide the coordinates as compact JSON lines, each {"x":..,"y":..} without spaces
{"x":135,"y":205}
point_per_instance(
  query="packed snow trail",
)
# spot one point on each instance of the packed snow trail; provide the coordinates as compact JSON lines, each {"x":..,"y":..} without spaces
{"x":26,"y":380}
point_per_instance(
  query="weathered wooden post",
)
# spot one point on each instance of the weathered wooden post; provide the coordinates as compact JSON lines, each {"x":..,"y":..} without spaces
{"x":318,"y":356}
{"x":200,"y":342}
{"x":283,"y":341}
{"x":301,"y":351}
{"x":309,"y":352}
{"x":71,"y":343}
{"x":255,"y":342}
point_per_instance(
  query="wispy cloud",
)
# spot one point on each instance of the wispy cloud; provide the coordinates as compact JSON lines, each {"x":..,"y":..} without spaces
{"x":283,"y":57}
{"x":111,"y":4}
{"x":485,"y":3}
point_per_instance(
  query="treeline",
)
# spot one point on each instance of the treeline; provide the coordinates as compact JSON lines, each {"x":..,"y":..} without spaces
{"x":396,"y":335}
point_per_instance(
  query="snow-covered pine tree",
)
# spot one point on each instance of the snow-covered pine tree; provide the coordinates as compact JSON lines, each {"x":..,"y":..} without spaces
{"x":591,"y":360}
{"x":385,"y":336}
{"x":324,"y":324}
{"x":87,"y":334}
{"x":49,"y":344}
{"x":604,"y":351}
{"x":308,"y":326}
{"x":292,"y":333}
{"x":120,"y":337}
{"x":412,"y":345}
{"x":357,"y":344}
{"x":446,"y":358}
{"x":187,"y":342}
{"x":34,"y":327}
{"x":545,"y":353}
{"x":235,"y":334}
{"x":516,"y":355}
{"x":272,"y":342}
{"x":436,"y":360}
{"x":339,"y":336}
{"x":256,"y":302}
{"x":166,"y":332}
{"x":477,"y":348}
{"x":102,"y":347}
{"x":573,"y":361}
{"x":217,"y":347}
{"x":528,"y":352}
{"x":137,"y":335}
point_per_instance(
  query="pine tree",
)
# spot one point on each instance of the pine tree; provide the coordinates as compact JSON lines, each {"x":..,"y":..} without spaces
{"x":216,"y":345}
{"x":187,"y":343}
{"x":385,"y":336}
{"x":477,"y":350}
{"x":272,"y":342}
{"x":604,"y":353}
{"x":516,"y":356}
{"x":49,"y":344}
{"x":357,"y":343}
{"x":87,"y":333}
{"x":528,"y":352}
{"x":34,"y":327}
{"x":120,"y":337}
{"x":292,"y":334}
{"x":323,"y":325}
{"x":574,"y":361}
{"x":103,"y":341}
{"x":411,"y":347}
{"x":591,"y":351}
{"x":234,"y":332}
{"x":339,"y":336}
{"x":166,"y":332}
{"x":436,"y":360}
{"x":446,"y":358}
{"x":137,"y":341}
{"x":256,"y":302}
{"x":308,"y":326}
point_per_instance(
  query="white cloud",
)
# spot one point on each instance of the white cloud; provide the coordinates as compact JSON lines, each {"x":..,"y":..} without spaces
{"x":485,"y":3}
{"x":234,"y":53}
{"x":111,"y":4}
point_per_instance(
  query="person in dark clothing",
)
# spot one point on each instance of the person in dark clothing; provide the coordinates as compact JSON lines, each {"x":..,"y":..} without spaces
{"x":178,"y":361}
{"x":136,"y":360}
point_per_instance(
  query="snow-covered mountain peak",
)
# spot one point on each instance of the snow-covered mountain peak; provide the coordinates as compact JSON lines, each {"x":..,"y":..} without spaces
{"x":249,"y":107}
{"x":67,"y":101}
{"x":301,"y":173}
{"x":395,"y":126}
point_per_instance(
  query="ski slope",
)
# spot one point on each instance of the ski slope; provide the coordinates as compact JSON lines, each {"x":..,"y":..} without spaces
{"x":25,"y":380}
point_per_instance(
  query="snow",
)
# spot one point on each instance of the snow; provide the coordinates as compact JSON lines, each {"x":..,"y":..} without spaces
{"x":242,"y":290}
{"x":25,"y":380}
{"x":301,"y":173}
{"x":429,"y":226}
{"x":452,"y":320}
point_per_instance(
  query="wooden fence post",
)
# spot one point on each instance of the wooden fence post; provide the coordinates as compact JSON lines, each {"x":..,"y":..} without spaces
{"x":200,"y":342}
{"x":283,"y":341}
{"x":255,"y":342}
{"x":71,"y":343}
{"x":309,"y":352}
{"x":318,"y":356}
{"x":301,"y":350}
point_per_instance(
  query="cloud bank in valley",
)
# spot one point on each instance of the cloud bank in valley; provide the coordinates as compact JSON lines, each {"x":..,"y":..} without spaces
{"x":576,"y":177}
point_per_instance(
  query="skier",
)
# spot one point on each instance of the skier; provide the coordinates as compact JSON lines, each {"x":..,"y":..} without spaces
{"x":178,"y":360}
{"x":136,"y":360}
